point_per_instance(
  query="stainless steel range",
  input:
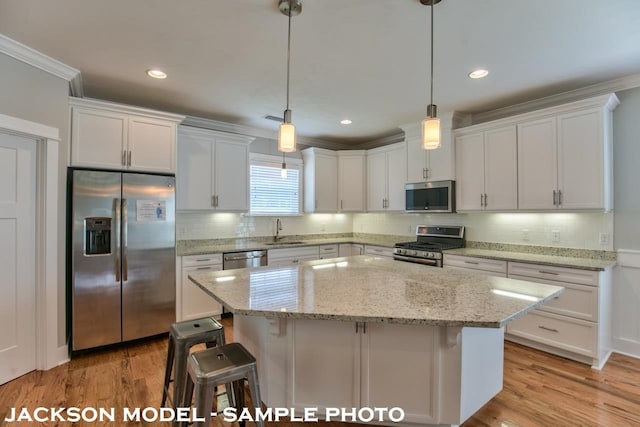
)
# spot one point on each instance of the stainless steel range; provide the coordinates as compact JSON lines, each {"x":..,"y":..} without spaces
{"x":431,"y":241}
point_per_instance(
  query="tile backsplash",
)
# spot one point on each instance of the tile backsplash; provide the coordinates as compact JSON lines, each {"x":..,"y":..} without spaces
{"x":570,"y":230}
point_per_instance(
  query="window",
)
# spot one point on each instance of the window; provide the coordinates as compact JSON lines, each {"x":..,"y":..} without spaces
{"x":270,"y":194}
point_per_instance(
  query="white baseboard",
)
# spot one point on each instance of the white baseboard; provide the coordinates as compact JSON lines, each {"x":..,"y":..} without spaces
{"x":627,"y":347}
{"x":61,"y":356}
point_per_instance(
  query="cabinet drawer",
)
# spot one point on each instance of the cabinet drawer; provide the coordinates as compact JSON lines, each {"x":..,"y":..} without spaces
{"x":561,"y":274}
{"x":308,"y":252}
{"x":475,"y":271}
{"x":486,"y":264}
{"x":199,"y":260}
{"x":328,"y":251}
{"x":577,"y":301}
{"x":574,"y":335}
{"x":378,"y":251}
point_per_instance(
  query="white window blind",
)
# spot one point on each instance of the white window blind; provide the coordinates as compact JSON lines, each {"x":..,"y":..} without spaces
{"x":270,"y":193}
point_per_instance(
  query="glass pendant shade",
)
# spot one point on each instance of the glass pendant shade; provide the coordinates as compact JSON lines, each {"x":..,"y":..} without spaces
{"x":431,"y":133}
{"x":287,"y":138}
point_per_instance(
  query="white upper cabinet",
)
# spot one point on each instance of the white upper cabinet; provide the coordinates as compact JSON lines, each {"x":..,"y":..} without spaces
{"x":112,"y":136}
{"x":487,"y":169}
{"x":551,"y":159}
{"x":432,"y":165}
{"x":386,"y":172}
{"x":352,"y":175}
{"x":213,"y":170}
{"x":320,"y":180}
{"x":564,"y":161}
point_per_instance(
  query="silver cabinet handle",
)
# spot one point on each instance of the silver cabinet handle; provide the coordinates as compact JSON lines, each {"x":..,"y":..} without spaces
{"x":124,"y":157}
{"x":472,"y":262}
{"x":548,"y":329}
{"x":213,"y":201}
{"x":357,"y":323}
{"x":424,"y":173}
{"x":295,"y":261}
{"x":485,"y":200}
{"x":217,"y":201}
{"x":559,"y":197}
{"x":125,"y":234}
{"x":204,"y":268}
{"x":340,"y":204}
{"x":129,"y":158}
{"x":548,"y":272}
{"x":555,"y":198}
{"x":117,"y":213}
{"x":481,"y":200}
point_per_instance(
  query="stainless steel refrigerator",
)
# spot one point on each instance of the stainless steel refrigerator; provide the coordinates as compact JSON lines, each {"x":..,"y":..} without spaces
{"x":122,"y":256}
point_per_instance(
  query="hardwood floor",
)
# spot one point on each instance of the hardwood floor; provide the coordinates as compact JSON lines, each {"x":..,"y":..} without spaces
{"x":539,"y":389}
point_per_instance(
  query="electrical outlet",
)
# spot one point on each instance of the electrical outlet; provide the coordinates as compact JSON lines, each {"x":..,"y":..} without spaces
{"x":410,"y":228}
{"x":555,"y":236}
{"x":525,"y":234}
{"x":604,"y":238}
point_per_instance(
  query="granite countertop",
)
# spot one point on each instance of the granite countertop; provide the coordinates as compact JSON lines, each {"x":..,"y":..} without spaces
{"x":212,"y":246}
{"x":374,"y":289}
{"x":596,"y":264}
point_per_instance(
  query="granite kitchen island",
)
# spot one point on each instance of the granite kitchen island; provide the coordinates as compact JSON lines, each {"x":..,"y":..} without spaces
{"x":368,"y":332}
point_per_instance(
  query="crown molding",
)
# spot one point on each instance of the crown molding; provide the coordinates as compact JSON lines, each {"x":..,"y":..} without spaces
{"x":256,"y":132}
{"x":623,"y":83}
{"x":378,"y":142}
{"x":39,"y":60}
{"x":123,"y":108}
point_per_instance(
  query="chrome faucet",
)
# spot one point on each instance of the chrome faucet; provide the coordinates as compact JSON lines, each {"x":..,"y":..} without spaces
{"x":278,"y":229}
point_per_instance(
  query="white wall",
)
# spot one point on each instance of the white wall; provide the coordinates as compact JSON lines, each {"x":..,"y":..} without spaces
{"x":577,"y":230}
{"x":37,"y":96}
{"x":626,"y":157}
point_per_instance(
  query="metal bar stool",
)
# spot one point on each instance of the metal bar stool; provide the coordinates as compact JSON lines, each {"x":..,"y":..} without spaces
{"x":183,"y":336}
{"x":229,"y":363}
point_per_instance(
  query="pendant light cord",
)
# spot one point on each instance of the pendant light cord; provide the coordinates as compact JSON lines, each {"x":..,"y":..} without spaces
{"x":289,"y":50}
{"x":431,"y":91}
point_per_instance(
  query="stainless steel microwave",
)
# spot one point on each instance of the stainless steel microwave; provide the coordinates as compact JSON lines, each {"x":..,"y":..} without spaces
{"x":431,"y":197}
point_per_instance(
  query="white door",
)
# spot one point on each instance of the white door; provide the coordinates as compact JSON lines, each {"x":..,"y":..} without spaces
{"x":376,"y":181}
{"x":501,"y":169}
{"x":231,"y":170}
{"x":537,"y":164}
{"x":17,"y":256}
{"x":470,"y":171}
{"x":396,"y":177}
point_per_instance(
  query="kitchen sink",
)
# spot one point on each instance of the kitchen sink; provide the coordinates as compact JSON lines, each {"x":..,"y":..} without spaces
{"x":284,"y":243}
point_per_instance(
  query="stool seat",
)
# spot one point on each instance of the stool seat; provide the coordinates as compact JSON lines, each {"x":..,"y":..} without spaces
{"x":207,"y":369}
{"x":182,"y":336}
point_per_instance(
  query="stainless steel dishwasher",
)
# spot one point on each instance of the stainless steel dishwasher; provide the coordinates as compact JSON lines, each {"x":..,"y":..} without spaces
{"x":248,"y":259}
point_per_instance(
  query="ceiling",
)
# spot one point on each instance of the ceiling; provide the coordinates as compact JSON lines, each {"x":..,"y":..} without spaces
{"x":366,"y":60}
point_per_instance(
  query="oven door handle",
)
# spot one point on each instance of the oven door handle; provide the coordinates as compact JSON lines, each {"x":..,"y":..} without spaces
{"x":426,"y":261}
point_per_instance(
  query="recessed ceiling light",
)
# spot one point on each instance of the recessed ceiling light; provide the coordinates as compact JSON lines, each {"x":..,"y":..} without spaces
{"x":478,"y":74}
{"x":346,"y":122}
{"x":156,"y":74}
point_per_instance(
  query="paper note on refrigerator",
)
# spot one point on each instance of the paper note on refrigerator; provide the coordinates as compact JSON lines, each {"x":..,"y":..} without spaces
{"x":151,"y":210}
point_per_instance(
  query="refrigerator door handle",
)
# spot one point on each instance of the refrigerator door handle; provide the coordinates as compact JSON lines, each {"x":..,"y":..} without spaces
{"x":124,"y":240}
{"x":117,"y":213}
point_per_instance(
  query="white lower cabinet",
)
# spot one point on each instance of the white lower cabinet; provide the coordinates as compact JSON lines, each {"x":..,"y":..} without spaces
{"x":378,"y":251}
{"x":484,"y":266}
{"x":350,"y":249}
{"x":193,"y":302}
{"x":328,"y":251}
{"x":292,"y":256}
{"x":577,"y":324}
{"x":360,"y":375}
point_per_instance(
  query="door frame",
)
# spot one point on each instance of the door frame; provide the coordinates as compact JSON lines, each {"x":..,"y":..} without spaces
{"x":48,"y":353}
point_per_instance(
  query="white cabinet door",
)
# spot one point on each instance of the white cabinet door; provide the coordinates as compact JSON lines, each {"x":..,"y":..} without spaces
{"x":195,"y":302}
{"x":441,"y":162}
{"x":537,"y":164}
{"x":581,"y":174}
{"x":326,"y":183}
{"x":351,"y":181}
{"x":376,"y":181}
{"x":500,"y":169}
{"x":416,"y":161}
{"x":152,"y":145}
{"x":231,"y":175}
{"x":324,"y":376}
{"x":411,"y":385}
{"x":470,"y":171}
{"x":194,"y":180}
{"x":396,"y":172}
{"x":98,"y":138}
{"x":350,"y":249}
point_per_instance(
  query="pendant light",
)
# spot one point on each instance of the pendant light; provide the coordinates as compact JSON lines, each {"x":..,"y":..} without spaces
{"x":287,"y":132}
{"x":431,"y":124}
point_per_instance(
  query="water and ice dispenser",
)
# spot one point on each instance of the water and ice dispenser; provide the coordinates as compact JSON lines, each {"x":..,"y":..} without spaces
{"x":97,"y":239}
